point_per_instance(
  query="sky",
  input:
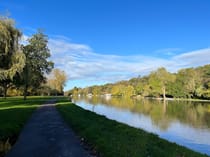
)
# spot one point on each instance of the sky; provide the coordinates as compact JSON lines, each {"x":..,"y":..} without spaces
{"x":105,"y":41}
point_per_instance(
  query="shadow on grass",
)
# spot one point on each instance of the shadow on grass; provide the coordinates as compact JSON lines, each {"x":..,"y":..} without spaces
{"x":12,"y":121}
{"x":14,"y":113}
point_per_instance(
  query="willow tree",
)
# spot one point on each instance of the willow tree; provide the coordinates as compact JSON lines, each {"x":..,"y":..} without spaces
{"x":12,"y":60}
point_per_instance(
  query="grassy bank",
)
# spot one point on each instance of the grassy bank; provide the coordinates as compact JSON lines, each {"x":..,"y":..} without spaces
{"x":112,"y":139}
{"x":14,"y":112}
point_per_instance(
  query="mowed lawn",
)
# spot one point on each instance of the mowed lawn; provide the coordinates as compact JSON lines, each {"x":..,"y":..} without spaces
{"x":14,"y":113}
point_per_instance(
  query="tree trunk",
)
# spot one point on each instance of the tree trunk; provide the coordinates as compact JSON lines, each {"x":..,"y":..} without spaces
{"x":5,"y":92}
{"x":5,"y":86}
{"x":164,"y":93}
{"x":26,"y":71}
{"x":25,"y":91}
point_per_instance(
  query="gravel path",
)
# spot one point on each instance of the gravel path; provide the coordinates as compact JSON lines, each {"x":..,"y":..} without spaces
{"x":47,"y":135}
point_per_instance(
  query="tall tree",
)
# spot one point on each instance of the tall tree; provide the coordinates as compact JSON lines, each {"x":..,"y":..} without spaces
{"x":12,"y":60}
{"x":129,"y":91}
{"x":159,"y":79}
{"x":190,"y":79}
{"x":57,"y":80}
{"x":37,"y":64}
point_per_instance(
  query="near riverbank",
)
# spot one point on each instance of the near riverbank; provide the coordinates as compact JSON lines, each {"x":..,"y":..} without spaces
{"x":110,"y":138}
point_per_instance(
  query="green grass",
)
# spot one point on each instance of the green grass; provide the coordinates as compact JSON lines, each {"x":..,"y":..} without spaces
{"x":113,"y":139}
{"x":14,"y":112}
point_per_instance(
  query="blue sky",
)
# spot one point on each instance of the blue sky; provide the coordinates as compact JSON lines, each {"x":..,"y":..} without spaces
{"x":96,"y":42}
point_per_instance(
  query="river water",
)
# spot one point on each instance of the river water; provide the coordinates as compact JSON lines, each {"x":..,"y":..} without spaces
{"x":184,"y":122}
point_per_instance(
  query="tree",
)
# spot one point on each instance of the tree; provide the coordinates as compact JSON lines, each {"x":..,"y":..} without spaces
{"x":191,"y":80}
{"x":129,"y":91}
{"x":159,"y":79}
{"x":116,"y":90}
{"x":96,"y":90}
{"x":187,"y":83}
{"x":37,"y":65}
{"x":57,"y":80}
{"x":12,"y":60}
{"x":142,"y":86}
{"x":176,"y":89}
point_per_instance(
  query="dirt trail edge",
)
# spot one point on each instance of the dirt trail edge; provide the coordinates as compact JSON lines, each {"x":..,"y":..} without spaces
{"x":47,"y":135}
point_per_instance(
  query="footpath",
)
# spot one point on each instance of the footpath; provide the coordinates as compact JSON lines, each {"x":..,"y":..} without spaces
{"x":47,"y":135}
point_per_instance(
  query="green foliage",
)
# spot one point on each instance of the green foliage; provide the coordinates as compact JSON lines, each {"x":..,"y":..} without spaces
{"x":159,"y":80}
{"x":117,"y":90}
{"x":17,"y":62}
{"x":37,"y":64}
{"x":141,"y":86}
{"x":12,"y":60}
{"x":187,"y":83}
{"x":24,"y":66}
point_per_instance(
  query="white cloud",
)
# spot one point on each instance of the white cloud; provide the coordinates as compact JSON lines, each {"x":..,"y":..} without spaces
{"x":24,"y":39}
{"x":194,"y":58}
{"x":168,"y":51}
{"x":61,"y":46}
{"x":81,"y":63}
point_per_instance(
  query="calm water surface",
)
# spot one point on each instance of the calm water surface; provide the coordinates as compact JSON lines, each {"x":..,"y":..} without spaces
{"x":183,"y":122}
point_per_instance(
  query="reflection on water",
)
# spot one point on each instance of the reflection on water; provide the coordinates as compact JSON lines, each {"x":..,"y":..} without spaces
{"x":186,"y":123}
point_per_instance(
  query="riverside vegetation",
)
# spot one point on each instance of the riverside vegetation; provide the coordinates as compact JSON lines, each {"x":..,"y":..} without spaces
{"x":111,"y":138}
{"x":186,"y":83}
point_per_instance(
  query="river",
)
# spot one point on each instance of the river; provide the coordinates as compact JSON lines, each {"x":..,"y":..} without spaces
{"x":185,"y":122}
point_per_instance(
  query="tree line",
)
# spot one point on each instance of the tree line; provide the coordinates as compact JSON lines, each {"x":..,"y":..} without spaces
{"x":186,"y":83}
{"x":24,"y":68}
